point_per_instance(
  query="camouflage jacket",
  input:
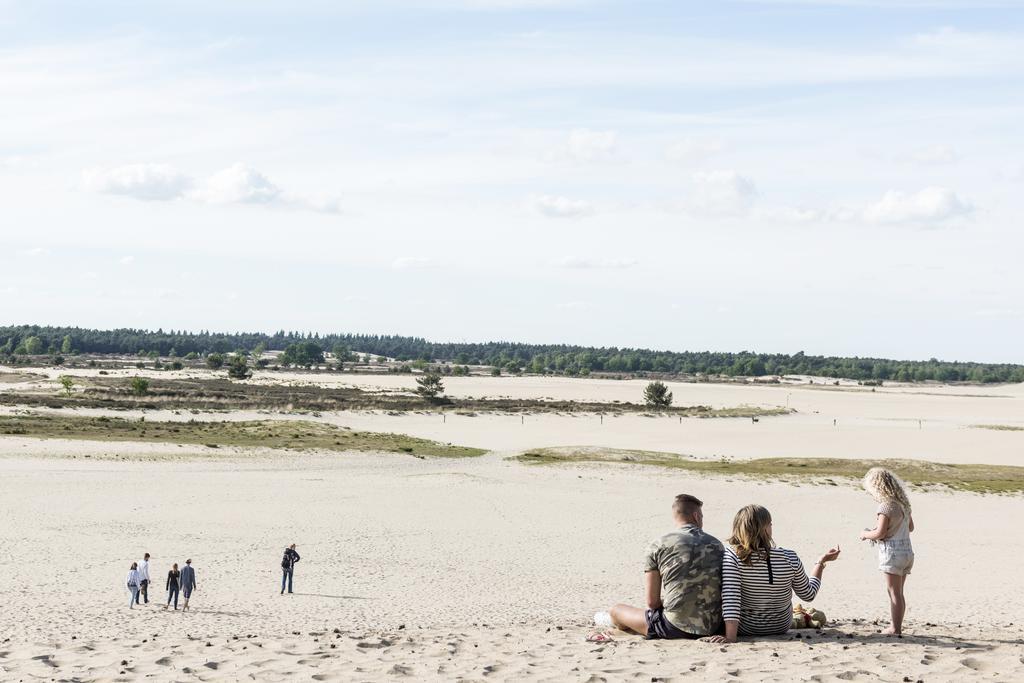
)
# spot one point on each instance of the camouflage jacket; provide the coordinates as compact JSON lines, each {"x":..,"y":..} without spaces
{"x":690,"y":564}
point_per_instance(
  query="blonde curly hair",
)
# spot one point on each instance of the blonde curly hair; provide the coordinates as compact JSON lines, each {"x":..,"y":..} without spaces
{"x":884,"y":486}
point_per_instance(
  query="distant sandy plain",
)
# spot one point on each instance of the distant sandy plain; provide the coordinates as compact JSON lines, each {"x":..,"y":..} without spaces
{"x":487,"y":568}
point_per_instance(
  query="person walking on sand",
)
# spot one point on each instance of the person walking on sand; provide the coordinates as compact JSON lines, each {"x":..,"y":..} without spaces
{"x":288,"y":567}
{"x":143,"y":569}
{"x":894,"y":522}
{"x":683,"y":581}
{"x":132,"y":583}
{"x":173,"y":586}
{"x":759,"y":579}
{"x":188,"y":582}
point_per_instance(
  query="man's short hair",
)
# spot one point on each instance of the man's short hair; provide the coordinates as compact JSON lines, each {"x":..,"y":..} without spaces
{"x":686,"y":505}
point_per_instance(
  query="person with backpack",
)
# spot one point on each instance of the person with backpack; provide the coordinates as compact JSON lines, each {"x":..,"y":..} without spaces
{"x":288,"y":567}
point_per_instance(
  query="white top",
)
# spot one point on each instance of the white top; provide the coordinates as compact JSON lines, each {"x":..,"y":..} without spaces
{"x":759,"y":595}
{"x":144,"y":570}
{"x":132,"y":578}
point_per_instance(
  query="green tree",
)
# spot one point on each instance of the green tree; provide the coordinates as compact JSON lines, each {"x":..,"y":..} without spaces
{"x":429,"y":385}
{"x":304,"y":354}
{"x":65,"y":346}
{"x":215,"y":361}
{"x":67,"y":383}
{"x":238,"y":368}
{"x":342,"y":354}
{"x":139,"y":386}
{"x":33,"y":346}
{"x":657,"y":395}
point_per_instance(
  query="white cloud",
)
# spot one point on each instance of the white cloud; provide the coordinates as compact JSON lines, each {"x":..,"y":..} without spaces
{"x":999,"y":313}
{"x":413,"y":263}
{"x":560,"y":207}
{"x":35,"y":252}
{"x":935,"y":155}
{"x":126,"y":260}
{"x":692,"y":150}
{"x":722,"y":193}
{"x":576,"y":305}
{"x":238,"y":184}
{"x":154,"y":182}
{"x":929,"y":205}
{"x":793,"y":214}
{"x":582,"y":263}
{"x":589,"y":146}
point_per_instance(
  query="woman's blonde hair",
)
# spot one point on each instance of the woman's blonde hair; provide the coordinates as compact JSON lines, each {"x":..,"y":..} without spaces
{"x":750,"y":533}
{"x":886,"y":487}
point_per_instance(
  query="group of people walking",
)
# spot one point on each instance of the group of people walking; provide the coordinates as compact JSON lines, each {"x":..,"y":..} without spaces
{"x":183,"y":582}
{"x":179,"y":581}
{"x":698,"y":588}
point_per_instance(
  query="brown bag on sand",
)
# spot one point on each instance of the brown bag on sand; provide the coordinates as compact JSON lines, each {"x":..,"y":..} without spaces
{"x":802,"y":618}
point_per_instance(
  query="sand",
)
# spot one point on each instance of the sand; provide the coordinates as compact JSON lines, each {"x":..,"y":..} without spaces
{"x":476,"y":569}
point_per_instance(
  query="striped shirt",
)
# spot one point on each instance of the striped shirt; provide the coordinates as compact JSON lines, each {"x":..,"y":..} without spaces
{"x":759,"y":595}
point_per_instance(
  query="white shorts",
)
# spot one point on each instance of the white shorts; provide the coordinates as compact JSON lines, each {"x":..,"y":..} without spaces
{"x":895,"y":557}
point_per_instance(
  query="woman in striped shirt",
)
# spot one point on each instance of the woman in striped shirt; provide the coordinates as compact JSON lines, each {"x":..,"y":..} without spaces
{"x":759,"y":579}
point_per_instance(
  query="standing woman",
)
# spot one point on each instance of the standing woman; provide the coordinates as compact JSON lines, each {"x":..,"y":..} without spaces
{"x":759,"y":579}
{"x":132,"y":582}
{"x":173,"y":585}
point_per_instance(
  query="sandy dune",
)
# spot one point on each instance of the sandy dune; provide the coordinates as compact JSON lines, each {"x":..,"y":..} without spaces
{"x":457,"y":569}
{"x":411,"y":558}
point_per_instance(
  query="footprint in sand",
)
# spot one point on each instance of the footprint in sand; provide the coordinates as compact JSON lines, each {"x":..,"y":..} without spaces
{"x":164,"y":661}
{"x":46,"y":659}
{"x":976,"y":664}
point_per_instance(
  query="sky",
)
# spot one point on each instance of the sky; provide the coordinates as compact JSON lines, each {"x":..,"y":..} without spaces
{"x":842,"y":177}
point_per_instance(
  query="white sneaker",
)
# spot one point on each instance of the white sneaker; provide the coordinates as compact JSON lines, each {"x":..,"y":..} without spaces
{"x":603,"y":619}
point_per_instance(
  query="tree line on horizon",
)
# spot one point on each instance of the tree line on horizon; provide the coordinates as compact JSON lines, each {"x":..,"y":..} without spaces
{"x":513,"y":357}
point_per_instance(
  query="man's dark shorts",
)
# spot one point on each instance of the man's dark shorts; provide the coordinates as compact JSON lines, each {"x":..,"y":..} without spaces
{"x":658,"y":627}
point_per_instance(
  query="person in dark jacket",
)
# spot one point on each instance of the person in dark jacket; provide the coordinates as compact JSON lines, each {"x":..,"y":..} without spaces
{"x":288,"y":567}
{"x":188,"y":583}
{"x":173,"y":586}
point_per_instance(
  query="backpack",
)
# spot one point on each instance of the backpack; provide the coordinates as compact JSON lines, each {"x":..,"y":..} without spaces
{"x":286,"y":562}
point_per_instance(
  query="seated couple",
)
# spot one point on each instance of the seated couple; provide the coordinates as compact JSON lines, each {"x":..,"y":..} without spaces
{"x":694,"y":583}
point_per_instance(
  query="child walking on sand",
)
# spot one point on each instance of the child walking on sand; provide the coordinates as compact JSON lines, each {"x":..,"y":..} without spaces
{"x":892,"y":536}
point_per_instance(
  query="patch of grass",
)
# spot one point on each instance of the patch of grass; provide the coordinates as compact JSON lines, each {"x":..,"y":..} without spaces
{"x":16,"y":377}
{"x":220,"y":394}
{"x":977,"y":478}
{"x":284,"y":434}
{"x":1000,"y":428}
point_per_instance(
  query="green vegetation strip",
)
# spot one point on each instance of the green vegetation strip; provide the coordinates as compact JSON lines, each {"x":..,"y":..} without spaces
{"x":977,"y":478}
{"x":285,"y":434}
